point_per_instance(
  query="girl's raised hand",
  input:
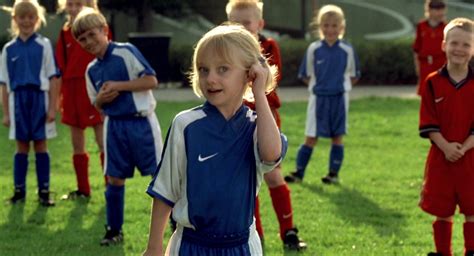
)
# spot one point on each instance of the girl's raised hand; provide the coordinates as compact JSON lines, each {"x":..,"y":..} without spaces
{"x":258,"y":75}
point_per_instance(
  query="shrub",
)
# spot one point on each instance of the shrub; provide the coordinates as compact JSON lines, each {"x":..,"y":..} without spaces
{"x":381,"y":62}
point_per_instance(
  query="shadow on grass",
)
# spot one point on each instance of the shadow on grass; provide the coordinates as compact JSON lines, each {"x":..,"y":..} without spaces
{"x":358,"y":210}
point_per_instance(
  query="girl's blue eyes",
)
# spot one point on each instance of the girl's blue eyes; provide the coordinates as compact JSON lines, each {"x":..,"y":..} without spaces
{"x":220,"y":70}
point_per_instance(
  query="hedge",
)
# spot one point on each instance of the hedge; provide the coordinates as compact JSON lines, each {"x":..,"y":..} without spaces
{"x":381,"y":62}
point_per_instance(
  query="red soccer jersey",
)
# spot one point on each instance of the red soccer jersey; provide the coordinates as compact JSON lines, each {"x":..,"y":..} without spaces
{"x":447,"y":106}
{"x":427,"y":46}
{"x":72,"y":59}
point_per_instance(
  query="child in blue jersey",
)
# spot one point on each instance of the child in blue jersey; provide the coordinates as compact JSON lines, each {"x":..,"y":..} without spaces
{"x":119,"y":83}
{"x":216,"y":154}
{"x":28,"y":80}
{"x":330,"y":67}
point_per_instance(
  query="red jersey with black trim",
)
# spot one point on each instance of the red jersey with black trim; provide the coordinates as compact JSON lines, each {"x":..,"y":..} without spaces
{"x":271,"y":51}
{"x":71,"y":58}
{"x":447,"y":107}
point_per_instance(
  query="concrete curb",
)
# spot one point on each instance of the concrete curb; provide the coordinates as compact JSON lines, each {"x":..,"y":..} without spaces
{"x":289,"y":94}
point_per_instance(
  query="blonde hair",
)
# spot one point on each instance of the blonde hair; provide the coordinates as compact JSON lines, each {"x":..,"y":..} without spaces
{"x":87,"y":19}
{"x":87,"y":3}
{"x":326,"y":12}
{"x":236,"y":46}
{"x":465,"y":24}
{"x":256,"y":5}
{"x":23,"y":7}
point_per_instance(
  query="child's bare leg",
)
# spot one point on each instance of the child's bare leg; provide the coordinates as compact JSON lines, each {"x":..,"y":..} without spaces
{"x":78,"y":140}
{"x":468,"y":230}
{"x":99,"y":139}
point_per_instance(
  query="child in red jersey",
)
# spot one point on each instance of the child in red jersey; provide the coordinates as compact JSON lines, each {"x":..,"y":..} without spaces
{"x":428,"y":56}
{"x":447,"y":119}
{"x":76,"y":109}
{"x":249,"y":14}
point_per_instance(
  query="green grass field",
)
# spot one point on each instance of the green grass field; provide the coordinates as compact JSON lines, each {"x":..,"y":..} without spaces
{"x":372,"y":212}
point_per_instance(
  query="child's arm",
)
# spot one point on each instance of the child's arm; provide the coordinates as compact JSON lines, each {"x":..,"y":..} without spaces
{"x":468,"y":144}
{"x":53,"y":98}
{"x":143,"y":83}
{"x":6,"y":113}
{"x":159,"y":217}
{"x":452,"y":150}
{"x":268,"y":135}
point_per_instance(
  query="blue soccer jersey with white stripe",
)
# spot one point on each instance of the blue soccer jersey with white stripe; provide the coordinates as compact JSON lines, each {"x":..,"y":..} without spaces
{"x":121,"y":62}
{"x":329,"y":68}
{"x":28,"y":63}
{"x":211,"y":171}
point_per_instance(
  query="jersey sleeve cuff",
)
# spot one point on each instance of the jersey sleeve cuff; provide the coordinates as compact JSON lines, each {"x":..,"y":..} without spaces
{"x":426,"y":130}
{"x":156,"y":195}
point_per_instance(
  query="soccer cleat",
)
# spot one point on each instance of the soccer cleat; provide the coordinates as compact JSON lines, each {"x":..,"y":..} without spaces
{"x":469,"y":253}
{"x":18,"y":197}
{"x":291,"y":240}
{"x":293,"y":177}
{"x":111,"y":237}
{"x":76,"y":194}
{"x":434,"y":254}
{"x":44,"y":199}
{"x":331,"y":178}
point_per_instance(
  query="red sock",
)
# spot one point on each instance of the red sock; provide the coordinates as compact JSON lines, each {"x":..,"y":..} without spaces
{"x":282,"y":204}
{"x":106,"y":180}
{"x":258,"y":221}
{"x":81,"y":167}
{"x":442,"y":236}
{"x":469,"y":236}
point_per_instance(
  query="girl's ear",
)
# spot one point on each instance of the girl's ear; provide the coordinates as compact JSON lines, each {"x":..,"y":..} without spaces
{"x":443,"y":46}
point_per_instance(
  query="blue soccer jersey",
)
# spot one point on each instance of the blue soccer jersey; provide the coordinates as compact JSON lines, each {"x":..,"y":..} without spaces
{"x":28,"y":63}
{"x":211,"y":171}
{"x":329,"y":68}
{"x":121,"y":62}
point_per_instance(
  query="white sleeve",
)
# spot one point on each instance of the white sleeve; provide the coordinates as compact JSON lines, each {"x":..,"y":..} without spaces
{"x":264,"y":167}
{"x":169,"y":181}
{"x":49,"y":62}
{"x":91,"y":91}
{"x":4,"y":77}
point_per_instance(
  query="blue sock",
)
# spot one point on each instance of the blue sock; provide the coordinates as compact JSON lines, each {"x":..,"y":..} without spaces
{"x":302,"y":159}
{"x":114,"y":198}
{"x":335,"y":158}
{"x":42,"y":171}
{"x":20,"y":168}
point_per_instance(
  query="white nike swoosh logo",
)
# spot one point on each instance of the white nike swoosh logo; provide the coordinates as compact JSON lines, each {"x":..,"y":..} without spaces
{"x":15,"y":58}
{"x":439,"y":100}
{"x":286,"y":216}
{"x":68,"y":45}
{"x":202,"y":159}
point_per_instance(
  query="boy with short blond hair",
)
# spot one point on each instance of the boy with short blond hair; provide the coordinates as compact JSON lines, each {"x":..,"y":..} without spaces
{"x":449,"y":176}
{"x":249,"y":13}
{"x":119,"y":83}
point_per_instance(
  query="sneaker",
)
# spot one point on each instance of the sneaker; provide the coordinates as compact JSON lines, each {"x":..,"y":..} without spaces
{"x":331,"y":178}
{"x":18,"y":197}
{"x":292,"y":241}
{"x":111,"y":237}
{"x":434,"y":254}
{"x":293,"y":178}
{"x":76,"y":194}
{"x":469,"y":253}
{"x":44,"y":199}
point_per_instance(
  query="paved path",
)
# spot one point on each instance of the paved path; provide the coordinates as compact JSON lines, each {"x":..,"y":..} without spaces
{"x":299,"y":93}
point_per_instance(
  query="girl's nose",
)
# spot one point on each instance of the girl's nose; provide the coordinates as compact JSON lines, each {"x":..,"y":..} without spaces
{"x":211,"y":77}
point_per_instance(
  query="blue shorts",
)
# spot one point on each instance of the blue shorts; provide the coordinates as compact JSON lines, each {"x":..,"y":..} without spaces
{"x":28,"y":106}
{"x":330,"y":115}
{"x":131,"y":142}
